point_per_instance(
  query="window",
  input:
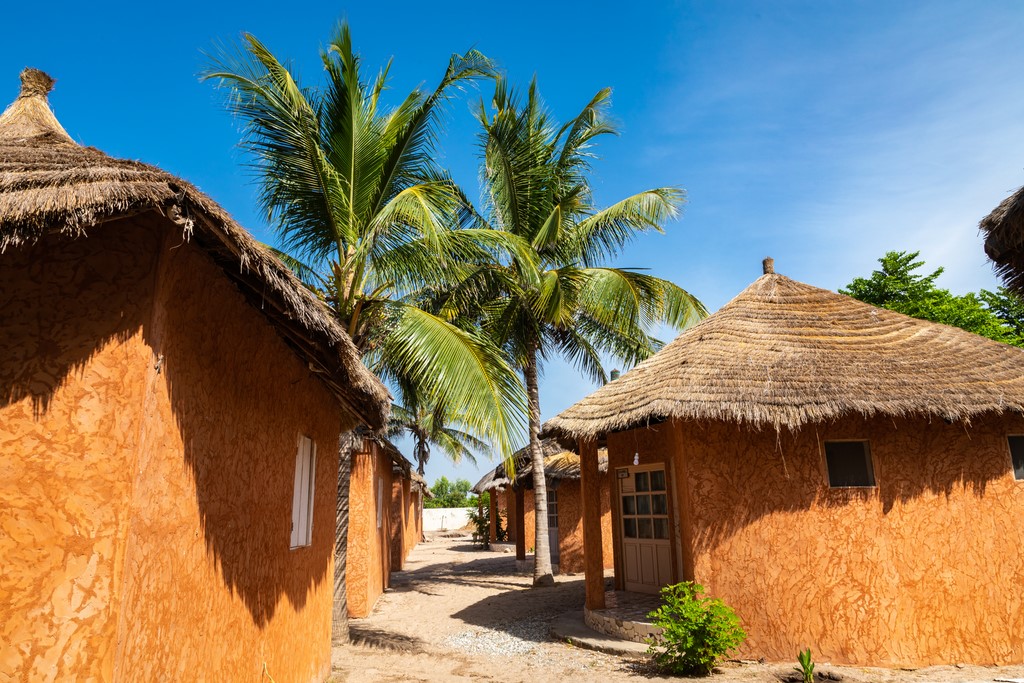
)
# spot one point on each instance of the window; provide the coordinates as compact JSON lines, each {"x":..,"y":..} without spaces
{"x":1017,"y":456}
{"x":849,"y":464}
{"x":380,"y":502}
{"x":302,"y":496}
{"x":645,"y":509}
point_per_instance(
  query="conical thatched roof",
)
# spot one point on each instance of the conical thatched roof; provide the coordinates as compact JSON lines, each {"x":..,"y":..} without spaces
{"x":1004,"y":239}
{"x":783,"y":353}
{"x":558,"y":464}
{"x":51,"y":185}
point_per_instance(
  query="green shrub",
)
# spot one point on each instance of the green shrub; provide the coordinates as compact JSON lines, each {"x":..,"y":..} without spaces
{"x":697,"y":631}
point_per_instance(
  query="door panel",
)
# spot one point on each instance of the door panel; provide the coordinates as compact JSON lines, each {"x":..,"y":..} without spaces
{"x":646,"y":544}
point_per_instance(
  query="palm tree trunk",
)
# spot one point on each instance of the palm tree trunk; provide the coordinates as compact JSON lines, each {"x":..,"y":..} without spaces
{"x":542,"y":574}
{"x":347,"y":446}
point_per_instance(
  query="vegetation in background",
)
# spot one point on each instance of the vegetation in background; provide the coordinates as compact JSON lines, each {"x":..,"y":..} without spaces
{"x":481,"y":521}
{"x":429,"y":425}
{"x":569,"y":303}
{"x":448,"y":494}
{"x":899,"y":285}
{"x":697,"y":631}
{"x":367,"y":219}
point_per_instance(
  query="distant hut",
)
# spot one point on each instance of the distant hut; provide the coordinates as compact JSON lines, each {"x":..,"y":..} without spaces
{"x":171,"y":403}
{"x":1004,"y":239}
{"x":514,"y":497}
{"x":846,"y":477}
{"x":385,"y":520}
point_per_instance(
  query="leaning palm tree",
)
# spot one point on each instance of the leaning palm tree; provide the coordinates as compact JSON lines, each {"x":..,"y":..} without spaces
{"x":429,"y":425}
{"x":357,"y":202}
{"x":536,"y":188}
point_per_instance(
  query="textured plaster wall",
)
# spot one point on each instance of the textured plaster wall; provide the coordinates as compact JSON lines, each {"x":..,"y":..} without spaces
{"x":150,"y":423}
{"x":369,"y":546}
{"x":926,"y":568}
{"x":212,"y":589}
{"x":72,"y":378}
{"x":570,"y":526}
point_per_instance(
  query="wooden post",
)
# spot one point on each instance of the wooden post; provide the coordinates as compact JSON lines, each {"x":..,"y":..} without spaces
{"x":510,"y":513}
{"x":493,"y":514}
{"x":593,"y":548}
{"x":520,"y":526}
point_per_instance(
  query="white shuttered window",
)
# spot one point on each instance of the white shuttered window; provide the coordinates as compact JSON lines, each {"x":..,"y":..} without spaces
{"x":302,"y":498}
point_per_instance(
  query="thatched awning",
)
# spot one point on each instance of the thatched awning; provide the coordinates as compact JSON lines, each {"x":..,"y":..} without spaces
{"x":558,"y":464}
{"x":1004,"y":239}
{"x":783,"y":354}
{"x":51,"y":185}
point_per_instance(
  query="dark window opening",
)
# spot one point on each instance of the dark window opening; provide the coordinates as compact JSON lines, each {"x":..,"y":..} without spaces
{"x":849,"y":464}
{"x":1017,"y":455}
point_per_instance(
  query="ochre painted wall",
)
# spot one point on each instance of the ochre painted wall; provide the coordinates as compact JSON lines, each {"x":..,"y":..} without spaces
{"x":369,"y":544}
{"x":925,"y":568}
{"x":570,"y":525}
{"x":153,"y":541}
{"x":73,"y":368}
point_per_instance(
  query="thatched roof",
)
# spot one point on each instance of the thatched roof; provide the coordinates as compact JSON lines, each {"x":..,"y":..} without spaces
{"x":558,"y":464}
{"x":1004,"y":239}
{"x":783,"y":354}
{"x":51,"y":185}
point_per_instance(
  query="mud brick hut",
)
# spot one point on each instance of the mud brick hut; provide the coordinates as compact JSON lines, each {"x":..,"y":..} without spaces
{"x":171,"y":400}
{"x":847,"y":478}
{"x":385,"y":520}
{"x":513,"y":496}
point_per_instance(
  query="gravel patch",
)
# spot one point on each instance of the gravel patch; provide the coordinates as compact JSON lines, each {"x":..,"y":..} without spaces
{"x":519,"y":637}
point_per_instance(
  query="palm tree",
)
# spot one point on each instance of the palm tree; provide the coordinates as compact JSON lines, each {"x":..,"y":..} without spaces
{"x":536,"y":187}
{"x":368,"y":220}
{"x":428,"y":425}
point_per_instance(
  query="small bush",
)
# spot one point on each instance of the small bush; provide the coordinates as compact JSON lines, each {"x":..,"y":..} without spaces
{"x":806,"y":665}
{"x":697,"y":631}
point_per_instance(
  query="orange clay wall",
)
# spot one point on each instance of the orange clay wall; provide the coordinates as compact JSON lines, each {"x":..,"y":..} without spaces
{"x":369,"y":545}
{"x":160,"y":516}
{"x":73,"y":372}
{"x":926,"y":568}
{"x":570,"y":526}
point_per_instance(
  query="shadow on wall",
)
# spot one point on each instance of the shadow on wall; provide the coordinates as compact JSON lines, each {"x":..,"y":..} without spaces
{"x":786,"y":473}
{"x":61,"y":303}
{"x":238,"y":397}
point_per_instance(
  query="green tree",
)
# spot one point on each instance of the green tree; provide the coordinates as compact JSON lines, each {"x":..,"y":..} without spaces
{"x":536,"y":187}
{"x":449,"y":494}
{"x":428,"y":425}
{"x":366,"y":218}
{"x":899,"y":286}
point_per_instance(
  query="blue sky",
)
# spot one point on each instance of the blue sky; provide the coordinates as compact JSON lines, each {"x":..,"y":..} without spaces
{"x":820,"y":133}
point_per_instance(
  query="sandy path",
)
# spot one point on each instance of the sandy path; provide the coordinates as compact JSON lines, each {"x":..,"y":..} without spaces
{"x":457,"y":613}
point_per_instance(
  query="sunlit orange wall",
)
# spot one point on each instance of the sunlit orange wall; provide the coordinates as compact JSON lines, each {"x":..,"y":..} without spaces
{"x":925,"y":569}
{"x":154,"y":541}
{"x":369,"y":545}
{"x":570,"y":525}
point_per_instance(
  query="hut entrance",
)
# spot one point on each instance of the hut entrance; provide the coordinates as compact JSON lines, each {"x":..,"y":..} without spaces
{"x":646,"y":547}
{"x":553,"y":525}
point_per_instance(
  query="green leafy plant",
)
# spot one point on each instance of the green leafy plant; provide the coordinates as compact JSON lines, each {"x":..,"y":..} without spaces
{"x":500,"y":531}
{"x":481,"y":521}
{"x":697,"y":631}
{"x":806,"y":665}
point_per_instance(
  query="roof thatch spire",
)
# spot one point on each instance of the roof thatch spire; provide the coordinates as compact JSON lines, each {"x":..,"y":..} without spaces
{"x":30,"y":115}
{"x":768,"y":265}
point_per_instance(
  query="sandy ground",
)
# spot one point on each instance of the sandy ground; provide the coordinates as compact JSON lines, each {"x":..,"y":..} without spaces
{"x":458,"y":613}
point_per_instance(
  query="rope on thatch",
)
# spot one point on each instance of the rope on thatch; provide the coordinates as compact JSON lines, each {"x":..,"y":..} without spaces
{"x":50,"y":184}
{"x":783,"y":354}
{"x":1004,"y":239}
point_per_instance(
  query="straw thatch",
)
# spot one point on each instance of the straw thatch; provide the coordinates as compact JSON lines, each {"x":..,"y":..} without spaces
{"x":51,"y":185}
{"x":783,"y":354}
{"x":1004,"y":239}
{"x":558,"y":464}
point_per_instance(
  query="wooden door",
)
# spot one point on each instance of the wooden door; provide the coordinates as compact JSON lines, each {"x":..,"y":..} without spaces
{"x":553,"y":525}
{"x":646,"y":546}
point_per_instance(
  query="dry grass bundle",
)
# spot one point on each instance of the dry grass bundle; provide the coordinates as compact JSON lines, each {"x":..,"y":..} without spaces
{"x":49,"y":185}
{"x":1004,"y":239}
{"x":783,"y":353}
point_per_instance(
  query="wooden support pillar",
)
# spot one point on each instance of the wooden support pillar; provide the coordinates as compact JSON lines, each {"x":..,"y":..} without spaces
{"x":593,"y":548}
{"x":493,"y":514}
{"x":520,"y":526}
